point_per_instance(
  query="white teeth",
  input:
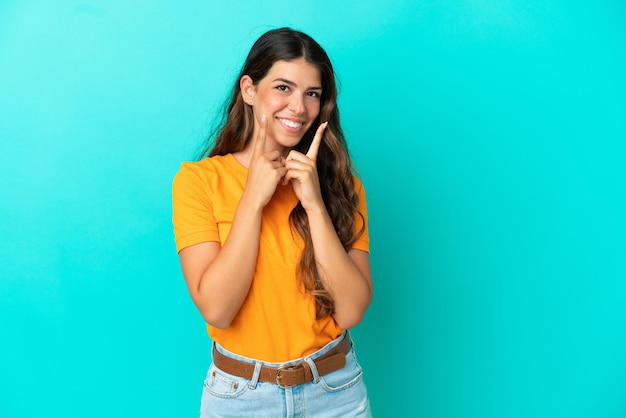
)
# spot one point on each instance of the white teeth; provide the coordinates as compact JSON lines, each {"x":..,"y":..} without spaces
{"x":290,"y":123}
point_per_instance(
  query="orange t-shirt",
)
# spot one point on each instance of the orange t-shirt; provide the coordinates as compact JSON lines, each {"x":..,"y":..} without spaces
{"x":277,"y":321}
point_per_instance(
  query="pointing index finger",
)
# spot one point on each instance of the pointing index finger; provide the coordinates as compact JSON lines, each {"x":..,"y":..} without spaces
{"x":259,"y":145}
{"x":317,"y":140}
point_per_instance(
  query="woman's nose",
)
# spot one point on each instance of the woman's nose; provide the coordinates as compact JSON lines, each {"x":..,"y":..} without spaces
{"x":296,"y":104}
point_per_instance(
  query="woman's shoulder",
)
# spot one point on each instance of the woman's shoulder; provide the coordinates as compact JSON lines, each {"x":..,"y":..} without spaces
{"x":198,"y":173}
{"x":208,"y":166}
{"x":358,"y":183}
{"x":207,"y":163}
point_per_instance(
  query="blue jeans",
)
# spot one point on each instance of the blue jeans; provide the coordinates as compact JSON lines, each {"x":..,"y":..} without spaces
{"x":341,"y":393}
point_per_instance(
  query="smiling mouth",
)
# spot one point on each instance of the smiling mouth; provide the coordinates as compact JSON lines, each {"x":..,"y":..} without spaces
{"x":290,"y":124}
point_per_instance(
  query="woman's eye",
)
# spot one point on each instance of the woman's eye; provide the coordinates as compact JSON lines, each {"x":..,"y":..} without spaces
{"x":313,"y":94}
{"x":282,"y":88}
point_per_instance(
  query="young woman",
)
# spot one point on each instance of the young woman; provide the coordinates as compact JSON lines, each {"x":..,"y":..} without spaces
{"x":271,"y":231}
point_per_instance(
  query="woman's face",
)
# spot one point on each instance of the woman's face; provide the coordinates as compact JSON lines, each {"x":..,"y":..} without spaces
{"x":290,"y":96}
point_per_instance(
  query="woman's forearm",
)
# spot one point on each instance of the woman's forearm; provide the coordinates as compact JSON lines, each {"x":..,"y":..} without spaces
{"x":346,"y":276}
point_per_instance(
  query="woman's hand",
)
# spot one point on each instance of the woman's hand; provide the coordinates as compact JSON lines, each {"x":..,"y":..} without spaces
{"x":302,"y":173}
{"x":265,"y":171}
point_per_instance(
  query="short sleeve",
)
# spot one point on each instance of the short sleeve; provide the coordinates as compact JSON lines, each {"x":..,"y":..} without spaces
{"x":362,"y":241}
{"x":192,"y":208}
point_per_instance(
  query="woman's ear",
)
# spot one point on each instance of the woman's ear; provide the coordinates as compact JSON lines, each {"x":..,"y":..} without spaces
{"x":247,"y":88}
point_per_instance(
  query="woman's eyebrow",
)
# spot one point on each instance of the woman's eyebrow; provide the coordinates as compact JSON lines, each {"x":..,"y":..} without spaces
{"x":291,"y":83}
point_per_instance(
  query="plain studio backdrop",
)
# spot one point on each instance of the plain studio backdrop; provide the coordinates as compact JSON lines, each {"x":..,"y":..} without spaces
{"x":490,"y":136}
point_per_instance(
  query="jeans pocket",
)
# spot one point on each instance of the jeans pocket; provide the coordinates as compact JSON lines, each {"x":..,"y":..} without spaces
{"x":346,"y":377}
{"x":224,"y":385}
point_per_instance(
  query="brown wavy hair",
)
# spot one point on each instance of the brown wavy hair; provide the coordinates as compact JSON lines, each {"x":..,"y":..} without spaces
{"x":334,"y":166}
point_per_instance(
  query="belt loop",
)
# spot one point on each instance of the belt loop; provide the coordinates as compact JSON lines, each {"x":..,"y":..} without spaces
{"x":255,"y":375}
{"x":311,"y":363}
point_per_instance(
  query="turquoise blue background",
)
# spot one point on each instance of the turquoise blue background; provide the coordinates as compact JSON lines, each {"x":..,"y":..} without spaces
{"x":490,"y":137}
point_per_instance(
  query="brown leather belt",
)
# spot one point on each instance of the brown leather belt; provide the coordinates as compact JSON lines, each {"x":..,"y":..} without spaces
{"x":289,"y":375}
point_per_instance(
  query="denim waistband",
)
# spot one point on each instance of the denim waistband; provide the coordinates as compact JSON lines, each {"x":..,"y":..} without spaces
{"x":325,"y":349}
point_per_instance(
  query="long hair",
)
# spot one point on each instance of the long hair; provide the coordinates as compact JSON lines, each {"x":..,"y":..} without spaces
{"x":334,"y":166}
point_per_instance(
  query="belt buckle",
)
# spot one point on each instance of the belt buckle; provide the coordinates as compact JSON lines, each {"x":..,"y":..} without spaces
{"x":279,"y":377}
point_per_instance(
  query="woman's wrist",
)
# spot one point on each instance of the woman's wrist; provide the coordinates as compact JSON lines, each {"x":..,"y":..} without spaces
{"x":250,"y":204}
{"x":317,"y":212}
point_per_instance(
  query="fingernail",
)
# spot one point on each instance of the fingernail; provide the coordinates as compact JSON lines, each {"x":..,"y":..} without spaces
{"x":263,"y":118}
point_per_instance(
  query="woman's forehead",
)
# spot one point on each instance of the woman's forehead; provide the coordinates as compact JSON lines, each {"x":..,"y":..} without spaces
{"x":299,"y":71}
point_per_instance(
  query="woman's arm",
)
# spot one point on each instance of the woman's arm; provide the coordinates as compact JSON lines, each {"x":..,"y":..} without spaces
{"x":219,"y":278}
{"x":346,"y":275}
